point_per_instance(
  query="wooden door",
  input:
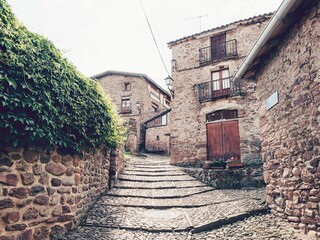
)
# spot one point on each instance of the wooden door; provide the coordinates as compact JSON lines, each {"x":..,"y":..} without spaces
{"x":223,"y":140}
{"x":218,"y":47}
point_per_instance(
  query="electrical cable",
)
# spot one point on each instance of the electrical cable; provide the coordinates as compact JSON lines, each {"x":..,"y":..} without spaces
{"x":154,"y":39}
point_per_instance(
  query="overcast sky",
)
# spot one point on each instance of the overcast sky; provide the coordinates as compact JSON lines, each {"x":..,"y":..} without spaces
{"x":100,"y":35}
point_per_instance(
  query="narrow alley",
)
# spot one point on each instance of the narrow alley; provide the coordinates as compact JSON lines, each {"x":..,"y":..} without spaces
{"x":155,"y":200}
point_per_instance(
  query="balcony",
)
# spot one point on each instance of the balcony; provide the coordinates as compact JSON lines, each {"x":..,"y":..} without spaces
{"x":218,"y":52}
{"x":125,"y":110}
{"x":226,"y":87}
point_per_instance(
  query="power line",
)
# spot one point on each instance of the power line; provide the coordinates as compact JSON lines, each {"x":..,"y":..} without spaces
{"x":154,"y":39}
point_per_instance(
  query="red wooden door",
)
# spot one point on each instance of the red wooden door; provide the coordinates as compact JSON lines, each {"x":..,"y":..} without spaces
{"x":214,"y":140}
{"x":223,"y":140}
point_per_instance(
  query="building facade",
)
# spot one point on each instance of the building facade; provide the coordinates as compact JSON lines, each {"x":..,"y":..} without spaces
{"x":213,"y":118}
{"x":288,"y":87}
{"x":158,"y":133}
{"x":137,"y":98}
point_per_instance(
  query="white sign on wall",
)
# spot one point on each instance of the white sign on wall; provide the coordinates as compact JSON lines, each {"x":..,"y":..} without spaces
{"x":272,"y":100}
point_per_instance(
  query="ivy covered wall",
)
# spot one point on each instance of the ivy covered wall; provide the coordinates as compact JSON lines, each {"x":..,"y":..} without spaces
{"x":44,"y":100}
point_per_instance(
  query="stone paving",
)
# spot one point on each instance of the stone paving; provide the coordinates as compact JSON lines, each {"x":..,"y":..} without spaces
{"x":154,"y":200}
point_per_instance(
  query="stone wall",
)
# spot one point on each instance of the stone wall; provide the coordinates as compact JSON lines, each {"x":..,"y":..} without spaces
{"x":45,"y":193}
{"x":250,"y":177}
{"x":158,"y":139}
{"x":290,"y":130}
{"x":188,"y":116}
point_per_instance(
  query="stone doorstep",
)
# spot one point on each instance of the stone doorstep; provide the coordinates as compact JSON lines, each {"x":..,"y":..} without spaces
{"x":152,"y":175}
{"x":194,"y":229}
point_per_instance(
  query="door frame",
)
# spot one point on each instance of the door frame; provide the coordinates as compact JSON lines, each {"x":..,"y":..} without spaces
{"x":219,"y":121}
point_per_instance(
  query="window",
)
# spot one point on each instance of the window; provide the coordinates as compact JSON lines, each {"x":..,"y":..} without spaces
{"x":220,"y":82}
{"x":159,"y":121}
{"x":127,"y":87}
{"x":222,"y":115}
{"x":125,"y":102}
{"x":154,"y":107}
{"x":164,"y":120}
{"x":125,"y":105}
{"x":166,"y":102}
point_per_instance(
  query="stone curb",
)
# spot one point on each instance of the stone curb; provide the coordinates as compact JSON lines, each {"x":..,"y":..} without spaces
{"x":136,"y":180}
{"x":207,"y":227}
{"x":172,"y":206}
{"x":229,"y":220}
{"x":151,"y":188}
{"x":161,"y":197}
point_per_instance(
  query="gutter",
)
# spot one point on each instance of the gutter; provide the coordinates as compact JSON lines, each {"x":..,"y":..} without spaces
{"x":277,"y":20}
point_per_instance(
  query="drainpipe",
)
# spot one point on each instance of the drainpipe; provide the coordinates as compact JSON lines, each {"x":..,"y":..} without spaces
{"x":277,"y":19}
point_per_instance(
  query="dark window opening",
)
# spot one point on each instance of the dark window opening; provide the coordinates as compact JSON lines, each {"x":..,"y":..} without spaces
{"x":127,"y":87}
{"x":154,"y":107}
{"x":222,"y":115}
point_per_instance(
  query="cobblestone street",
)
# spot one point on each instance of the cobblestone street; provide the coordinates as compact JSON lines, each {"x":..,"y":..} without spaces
{"x":154,"y":200}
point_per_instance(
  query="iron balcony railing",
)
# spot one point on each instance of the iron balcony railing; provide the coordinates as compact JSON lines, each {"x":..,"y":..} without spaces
{"x":212,"y":90}
{"x":125,"y":110}
{"x":218,"y":52}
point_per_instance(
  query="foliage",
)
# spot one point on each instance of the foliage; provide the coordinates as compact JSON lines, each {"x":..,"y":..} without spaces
{"x":44,"y":100}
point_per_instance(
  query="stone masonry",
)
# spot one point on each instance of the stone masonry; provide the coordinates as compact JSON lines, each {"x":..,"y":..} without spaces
{"x":188,"y":117}
{"x":45,"y":193}
{"x":156,"y":201}
{"x":290,"y":130}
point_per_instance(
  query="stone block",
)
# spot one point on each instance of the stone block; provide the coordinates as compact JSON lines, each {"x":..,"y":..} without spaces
{"x":69,"y":171}
{"x":30,"y":213}
{"x":56,"y":169}
{"x":68,"y":181}
{"x":25,"y":235}
{"x":41,"y":233}
{"x":19,"y":192}
{"x":44,"y":179}
{"x":45,"y":158}
{"x":22,"y":166}
{"x":41,"y":200}
{"x":27,"y":178}
{"x":11,"y":217}
{"x":16,"y":227}
{"x":24,"y":202}
{"x":31,"y":156}
{"x":67,"y":160}
{"x":36,"y":190}
{"x":9,"y":179}
{"x":57,"y":230}
{"x":6,"y":237}
{"x":37,"y":169}
{"x":6,"y":162}
{"x":55,"y":182}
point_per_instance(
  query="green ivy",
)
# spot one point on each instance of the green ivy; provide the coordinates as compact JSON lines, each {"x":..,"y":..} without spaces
{"x":44,"y":100}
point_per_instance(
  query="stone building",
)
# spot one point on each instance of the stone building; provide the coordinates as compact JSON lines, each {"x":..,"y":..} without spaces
{"x":138,"y":98}
{"x":285,"y":64}
{"x":212,"y":117}
{"x":158,"y":133}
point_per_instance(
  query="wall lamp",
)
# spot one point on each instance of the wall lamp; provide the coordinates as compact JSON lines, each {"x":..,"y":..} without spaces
{"x":168,"y":80}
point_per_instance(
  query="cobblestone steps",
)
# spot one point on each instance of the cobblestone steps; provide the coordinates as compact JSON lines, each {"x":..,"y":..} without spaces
{"x":154,"y":200}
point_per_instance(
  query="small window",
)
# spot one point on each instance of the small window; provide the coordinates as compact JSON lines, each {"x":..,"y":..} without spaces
{"x":154,"y":107}
{"x":164,"y":120}
{"x":125,"y":102}
{"x":158,"y":138}
{"x":166,"y":102}
{"x":127,"y":87}
{"x":222,"y":115}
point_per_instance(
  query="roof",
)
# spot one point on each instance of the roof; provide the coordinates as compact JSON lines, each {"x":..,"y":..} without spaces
{"x":158,"y":115}
{"x":129,"y":74}
{"x":251,"y":20}
{"x":289,"y":12}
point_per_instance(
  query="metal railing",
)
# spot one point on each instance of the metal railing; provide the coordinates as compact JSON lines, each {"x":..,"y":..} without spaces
{"x":125,"y":109}
{"x":218,"y":52}
{"x":225,"y":87}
